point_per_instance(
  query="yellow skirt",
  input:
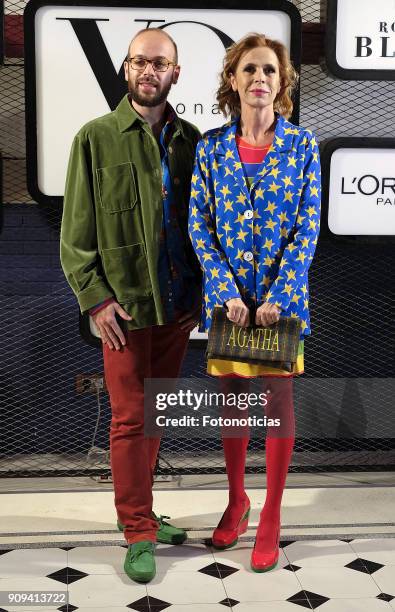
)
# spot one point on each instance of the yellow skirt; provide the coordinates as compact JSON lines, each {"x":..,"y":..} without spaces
{"x":223,"y":367}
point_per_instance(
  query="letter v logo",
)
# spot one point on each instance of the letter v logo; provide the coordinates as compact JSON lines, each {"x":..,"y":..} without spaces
{"x":112,"y":84}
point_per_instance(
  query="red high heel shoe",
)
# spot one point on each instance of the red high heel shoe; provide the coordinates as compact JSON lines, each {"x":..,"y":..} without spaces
{"x":225,"y":538}
{"x":265,"y":561}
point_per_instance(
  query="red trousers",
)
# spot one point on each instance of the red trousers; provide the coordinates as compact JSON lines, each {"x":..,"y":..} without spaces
{"x":153,"y":352}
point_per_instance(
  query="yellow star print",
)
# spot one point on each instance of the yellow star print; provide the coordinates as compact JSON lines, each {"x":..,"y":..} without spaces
{"x":287,"y":289}
{"x":242,"y":272}
{"x":271,"y":207}
{"x":273,"y":187}
{"x":241,"y":235}
{"x":287,"y":181}
{"x":268,"y":244}
{"x":225,"y":190}
{"x":270,"y":224}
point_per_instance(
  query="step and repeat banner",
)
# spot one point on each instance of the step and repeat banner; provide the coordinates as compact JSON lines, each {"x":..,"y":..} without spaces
{"x":358,"y":187}
{"x":359,"y":173}
{"x":360,"y":39}
{"x":74,"y":72}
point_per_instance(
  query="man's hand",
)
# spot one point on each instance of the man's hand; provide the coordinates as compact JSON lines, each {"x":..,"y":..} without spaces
{"x":238,"y":312}
{"x":189,"y":320}
{"x":110,"y":332}
{"x":267,"y":314}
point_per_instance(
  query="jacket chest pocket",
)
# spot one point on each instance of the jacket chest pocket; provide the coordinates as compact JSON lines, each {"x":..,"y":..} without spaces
{"x":117,"y":187}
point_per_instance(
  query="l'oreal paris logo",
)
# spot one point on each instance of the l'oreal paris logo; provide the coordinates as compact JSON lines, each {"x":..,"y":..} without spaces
{"x":382,"y":46}
{"x":369,"y":185}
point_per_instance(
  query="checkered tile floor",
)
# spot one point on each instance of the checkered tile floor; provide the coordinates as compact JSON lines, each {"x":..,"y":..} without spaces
{"x":326,"y":575}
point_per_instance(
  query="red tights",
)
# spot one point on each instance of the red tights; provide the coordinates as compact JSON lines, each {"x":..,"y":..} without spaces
{"x":279,"y":447}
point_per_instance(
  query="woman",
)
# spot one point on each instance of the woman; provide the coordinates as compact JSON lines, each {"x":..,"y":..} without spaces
{"x":254,"y":223}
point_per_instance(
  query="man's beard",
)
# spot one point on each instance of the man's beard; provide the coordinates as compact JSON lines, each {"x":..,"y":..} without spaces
{"x":143,"y":100}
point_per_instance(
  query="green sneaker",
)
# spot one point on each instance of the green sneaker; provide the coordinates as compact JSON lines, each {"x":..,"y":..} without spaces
{"x":166,"y":534}
{"x":140,"y":561}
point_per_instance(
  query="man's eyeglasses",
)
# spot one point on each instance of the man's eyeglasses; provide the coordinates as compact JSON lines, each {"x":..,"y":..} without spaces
{"x":159,"y":65}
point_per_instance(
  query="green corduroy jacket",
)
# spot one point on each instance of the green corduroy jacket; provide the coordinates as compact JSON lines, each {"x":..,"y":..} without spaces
{"x":112,"y":215}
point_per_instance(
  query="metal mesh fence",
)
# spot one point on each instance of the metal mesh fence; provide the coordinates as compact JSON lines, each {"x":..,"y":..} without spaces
{"x":49,"y":426}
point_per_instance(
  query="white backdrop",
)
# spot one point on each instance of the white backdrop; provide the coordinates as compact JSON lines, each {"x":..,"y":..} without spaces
{"x":68,"y":94}
{"x":359,"y":172}
{"x":363,"y":18}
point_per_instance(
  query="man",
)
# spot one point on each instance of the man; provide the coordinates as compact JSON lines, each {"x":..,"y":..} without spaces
{"x":127,"y":256}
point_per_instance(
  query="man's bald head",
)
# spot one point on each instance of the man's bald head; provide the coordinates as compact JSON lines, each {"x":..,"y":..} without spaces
{"x":148,"y":32}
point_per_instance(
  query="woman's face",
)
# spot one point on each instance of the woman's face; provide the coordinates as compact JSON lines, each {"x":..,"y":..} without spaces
{"x":257,"y":78}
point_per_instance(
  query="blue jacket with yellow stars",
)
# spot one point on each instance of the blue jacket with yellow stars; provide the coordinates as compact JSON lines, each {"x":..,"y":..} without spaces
{"x":256,"y":244}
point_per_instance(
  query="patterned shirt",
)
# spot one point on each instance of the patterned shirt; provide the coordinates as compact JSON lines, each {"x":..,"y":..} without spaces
{"x":176,"y":279}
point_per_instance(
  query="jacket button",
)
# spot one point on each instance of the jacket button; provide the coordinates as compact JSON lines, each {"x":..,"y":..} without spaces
{"x":176,"y":180}
{"x":170,"y":149}
{"x":247,"y":256}
{"x":248,"y":214}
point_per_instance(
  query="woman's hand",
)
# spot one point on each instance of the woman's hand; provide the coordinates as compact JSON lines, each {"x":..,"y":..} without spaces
{"x":238,"y":312}
{"x":267,"y":314}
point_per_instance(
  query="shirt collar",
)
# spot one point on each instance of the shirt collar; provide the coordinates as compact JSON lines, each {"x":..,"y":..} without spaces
{"x":282,"y":142}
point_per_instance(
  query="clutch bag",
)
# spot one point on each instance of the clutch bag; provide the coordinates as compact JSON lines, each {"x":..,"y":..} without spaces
{"x":275,"y":345}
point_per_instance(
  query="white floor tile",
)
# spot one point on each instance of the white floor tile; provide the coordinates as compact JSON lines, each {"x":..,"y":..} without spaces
{"x":97,"y":559}
{"x":320,"y":553}
{"x":198,"y":608}
{"x":185,"y":558}
{"x":355,"y":605}
{"x":339,"y":582}
{"x":32,"y":562}
{"x":240,"y":556}
{"x":381,"y":550}
{"x":268,"y":606}
{"x":385,"y":578}
{"x":186,"y":587}
{"x":33,"y":584}
{"x":105,"y":591}
{"x":27,"y":609}
{"x":246,"y":585}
